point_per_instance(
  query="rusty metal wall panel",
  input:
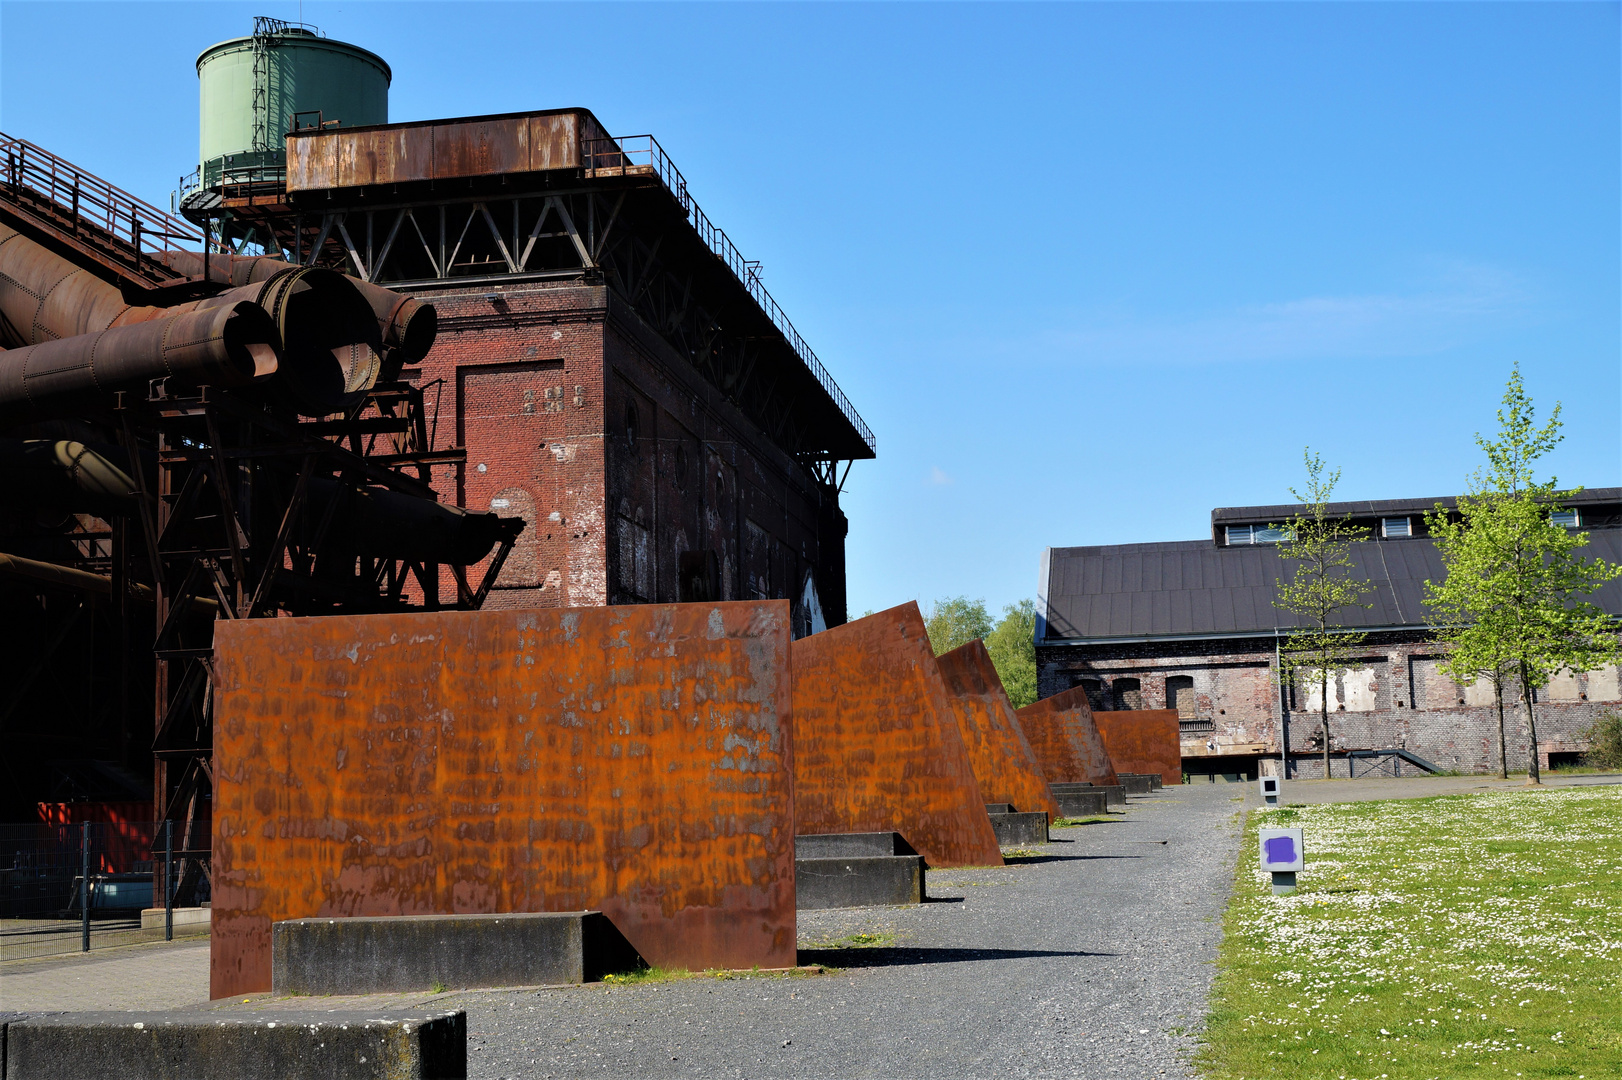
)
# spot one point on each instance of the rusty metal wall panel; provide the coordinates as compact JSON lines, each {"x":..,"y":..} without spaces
{"x":638,"y":760}
{"x":554,"y":141}
{"x":476,"y":146}
{"x":876,"y":745}
{"x":1004,"y":763}
{"x":1143,"y":741}
{"x":1061,"y":731}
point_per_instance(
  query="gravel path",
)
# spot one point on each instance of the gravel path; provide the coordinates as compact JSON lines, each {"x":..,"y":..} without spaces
{"x":1091,"y":959}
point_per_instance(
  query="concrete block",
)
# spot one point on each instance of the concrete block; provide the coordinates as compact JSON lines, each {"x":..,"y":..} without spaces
{"x":416,"y":952}
{"x":999,"y":808}
{"x":1134,"y":783}
{"x":311,"y":1045}
{"x":1013,"y":829}
{"x":851,"y":845}
{"x":858,"y":881}
{"x":1077,"y":804}
{"x":1115,"y":794}
{"x":193,"y":919}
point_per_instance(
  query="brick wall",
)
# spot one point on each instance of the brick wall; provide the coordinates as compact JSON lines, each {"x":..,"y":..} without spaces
{"x":637,"y":480}
{"x":1396,"y":698}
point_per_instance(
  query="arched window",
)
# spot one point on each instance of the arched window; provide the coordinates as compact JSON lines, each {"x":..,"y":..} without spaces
{"x":1128,"y":694}
{"x":1097,"y":700}
{"x":1180,"y":696}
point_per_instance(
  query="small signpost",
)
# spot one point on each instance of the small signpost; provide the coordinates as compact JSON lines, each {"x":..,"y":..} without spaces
{"x":1270,"y":790}
{"x":1282,"y":854}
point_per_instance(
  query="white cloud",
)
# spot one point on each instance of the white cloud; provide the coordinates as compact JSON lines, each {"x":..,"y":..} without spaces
{"x":937,"y":478}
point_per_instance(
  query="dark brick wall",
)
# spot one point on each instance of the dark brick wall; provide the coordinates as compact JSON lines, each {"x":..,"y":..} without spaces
{"x":637,"y":480}
{"x":1397,"y":699}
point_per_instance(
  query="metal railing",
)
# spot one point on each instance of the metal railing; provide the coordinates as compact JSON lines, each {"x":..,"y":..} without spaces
{"x":252,"y":167}
{"x":94,"y":206}
{"x":638,"y":152}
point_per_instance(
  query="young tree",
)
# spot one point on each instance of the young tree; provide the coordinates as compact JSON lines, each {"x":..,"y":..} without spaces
{"x":1013,"y":650}
{"x":954,"y":621}
{"x":1321,"y":587}
{"x":1511,"y":600}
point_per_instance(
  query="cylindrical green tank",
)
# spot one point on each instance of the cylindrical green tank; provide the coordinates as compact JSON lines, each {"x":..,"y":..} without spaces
{"x":251,"y":88}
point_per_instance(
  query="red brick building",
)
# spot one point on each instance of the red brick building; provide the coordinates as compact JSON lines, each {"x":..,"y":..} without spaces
{"x":1191,"y":626}
{"x":608,"y":367}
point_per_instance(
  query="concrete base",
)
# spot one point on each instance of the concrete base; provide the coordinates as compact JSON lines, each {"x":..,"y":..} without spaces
{"x":194,"y":919}
{"x":1135,"y":783}
{"x":999,"y":808}
{"x":312,"y":1045}
{"x":460,"y":952}
{"x":851,"y":845}
{"x":1012,"y":829}
{"x":859,"y":881}
{"x":1079,"y":804}
{"x":1114,"y":794}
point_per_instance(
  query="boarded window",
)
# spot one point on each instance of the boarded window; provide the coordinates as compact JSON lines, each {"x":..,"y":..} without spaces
{"x":1128,"y":694}
{"x":1180,"y":696}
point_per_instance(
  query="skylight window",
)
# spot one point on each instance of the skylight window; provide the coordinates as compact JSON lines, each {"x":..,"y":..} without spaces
{"x":1256,"y":534}
{"x":1396,"y":526}
{"x":1567,"y":518}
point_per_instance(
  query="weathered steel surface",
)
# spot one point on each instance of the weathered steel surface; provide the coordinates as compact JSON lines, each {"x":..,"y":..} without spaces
{"x":1061,"y":732}
{"x":1143,"y":741}
{"x":876,"y":744}
{"x":438,"y":149}
{"x":635,"y":760}
{"x":1004,"y":763}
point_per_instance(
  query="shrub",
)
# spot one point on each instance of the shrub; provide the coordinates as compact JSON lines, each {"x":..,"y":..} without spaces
{"x":1605,"y":740}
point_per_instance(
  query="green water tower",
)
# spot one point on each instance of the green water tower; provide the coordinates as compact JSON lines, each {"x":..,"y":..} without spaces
{"x":253,"y":88}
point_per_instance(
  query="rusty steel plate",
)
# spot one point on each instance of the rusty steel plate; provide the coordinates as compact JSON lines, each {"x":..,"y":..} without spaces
{"x":637,"y":760}
{"x":1003,"y":761}
{"x":1143,"y":741}
{"x":1061,"y":732}
{"x":876,"y":745}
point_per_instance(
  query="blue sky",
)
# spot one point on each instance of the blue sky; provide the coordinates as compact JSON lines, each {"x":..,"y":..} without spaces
{"x":1087,"y":270}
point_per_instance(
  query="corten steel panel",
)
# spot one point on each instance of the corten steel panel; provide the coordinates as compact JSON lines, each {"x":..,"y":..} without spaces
{"x":439,"y":150}
{"x":1003,"y":760}
{"x":1062,"y":734}
{"x":876,"y":745}
{"x":633,"y":760}
{"x":1143,"y":741}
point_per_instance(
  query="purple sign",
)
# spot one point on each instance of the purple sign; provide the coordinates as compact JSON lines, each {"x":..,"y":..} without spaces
{"x":1279,"y":849}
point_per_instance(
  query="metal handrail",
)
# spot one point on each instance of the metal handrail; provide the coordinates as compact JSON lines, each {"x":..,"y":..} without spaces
{"x":644,"y":150}
{"x":142,"y":227}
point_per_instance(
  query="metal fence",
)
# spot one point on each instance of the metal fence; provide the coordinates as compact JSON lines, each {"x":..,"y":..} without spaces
{"x":95,"y":871}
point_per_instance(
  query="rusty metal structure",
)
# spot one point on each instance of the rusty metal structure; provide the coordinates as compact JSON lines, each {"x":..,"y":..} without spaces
{"x":1142,"y":741}
{"x":638,"y":760}
{"x":1066,"y":742}
{"x":182,"y":450}
{"x":1003,"y":761}
{"x":877,"y":746}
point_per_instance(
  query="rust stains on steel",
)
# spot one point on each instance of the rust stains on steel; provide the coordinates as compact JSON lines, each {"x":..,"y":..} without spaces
{"x":438,"y":149}
{"x":1061,"y":731}
{"x":1004,"y":763}
{"x":877,"y":747}
{"x":636,"y":759}
{"x":1143,"y":741}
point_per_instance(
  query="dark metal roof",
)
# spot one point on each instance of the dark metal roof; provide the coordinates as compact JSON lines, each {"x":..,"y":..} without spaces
{"x":1194,"y":588}
{"x":1269,"y":515}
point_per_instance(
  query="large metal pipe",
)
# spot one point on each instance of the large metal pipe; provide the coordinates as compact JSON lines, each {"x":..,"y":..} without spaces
{"x":399,"y":526}
{"x":228,"y":346}
{"x":408,"y":326}
{"x":65,"y":474}
{"x":323,"y":318}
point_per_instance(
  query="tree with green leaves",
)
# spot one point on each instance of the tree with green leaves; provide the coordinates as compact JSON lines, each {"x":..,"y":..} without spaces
{"x":955,"y":621}
{"x":1322,"y":586}
{"x":1511,"y":602}
{"x":1013,"y":650}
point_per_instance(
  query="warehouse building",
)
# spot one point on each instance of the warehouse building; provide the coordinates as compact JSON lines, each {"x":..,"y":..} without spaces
{"x":1190,"y":625}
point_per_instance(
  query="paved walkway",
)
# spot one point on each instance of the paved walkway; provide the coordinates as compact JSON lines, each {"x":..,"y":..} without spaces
{"x":1090,"y":959}
{"x":1369,"y":789}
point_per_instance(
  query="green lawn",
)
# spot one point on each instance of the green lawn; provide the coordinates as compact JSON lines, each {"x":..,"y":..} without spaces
{"x":1473,"y":935}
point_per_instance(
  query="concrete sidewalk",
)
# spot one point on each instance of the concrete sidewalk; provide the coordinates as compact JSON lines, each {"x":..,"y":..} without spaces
{"x":154,"y":975}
